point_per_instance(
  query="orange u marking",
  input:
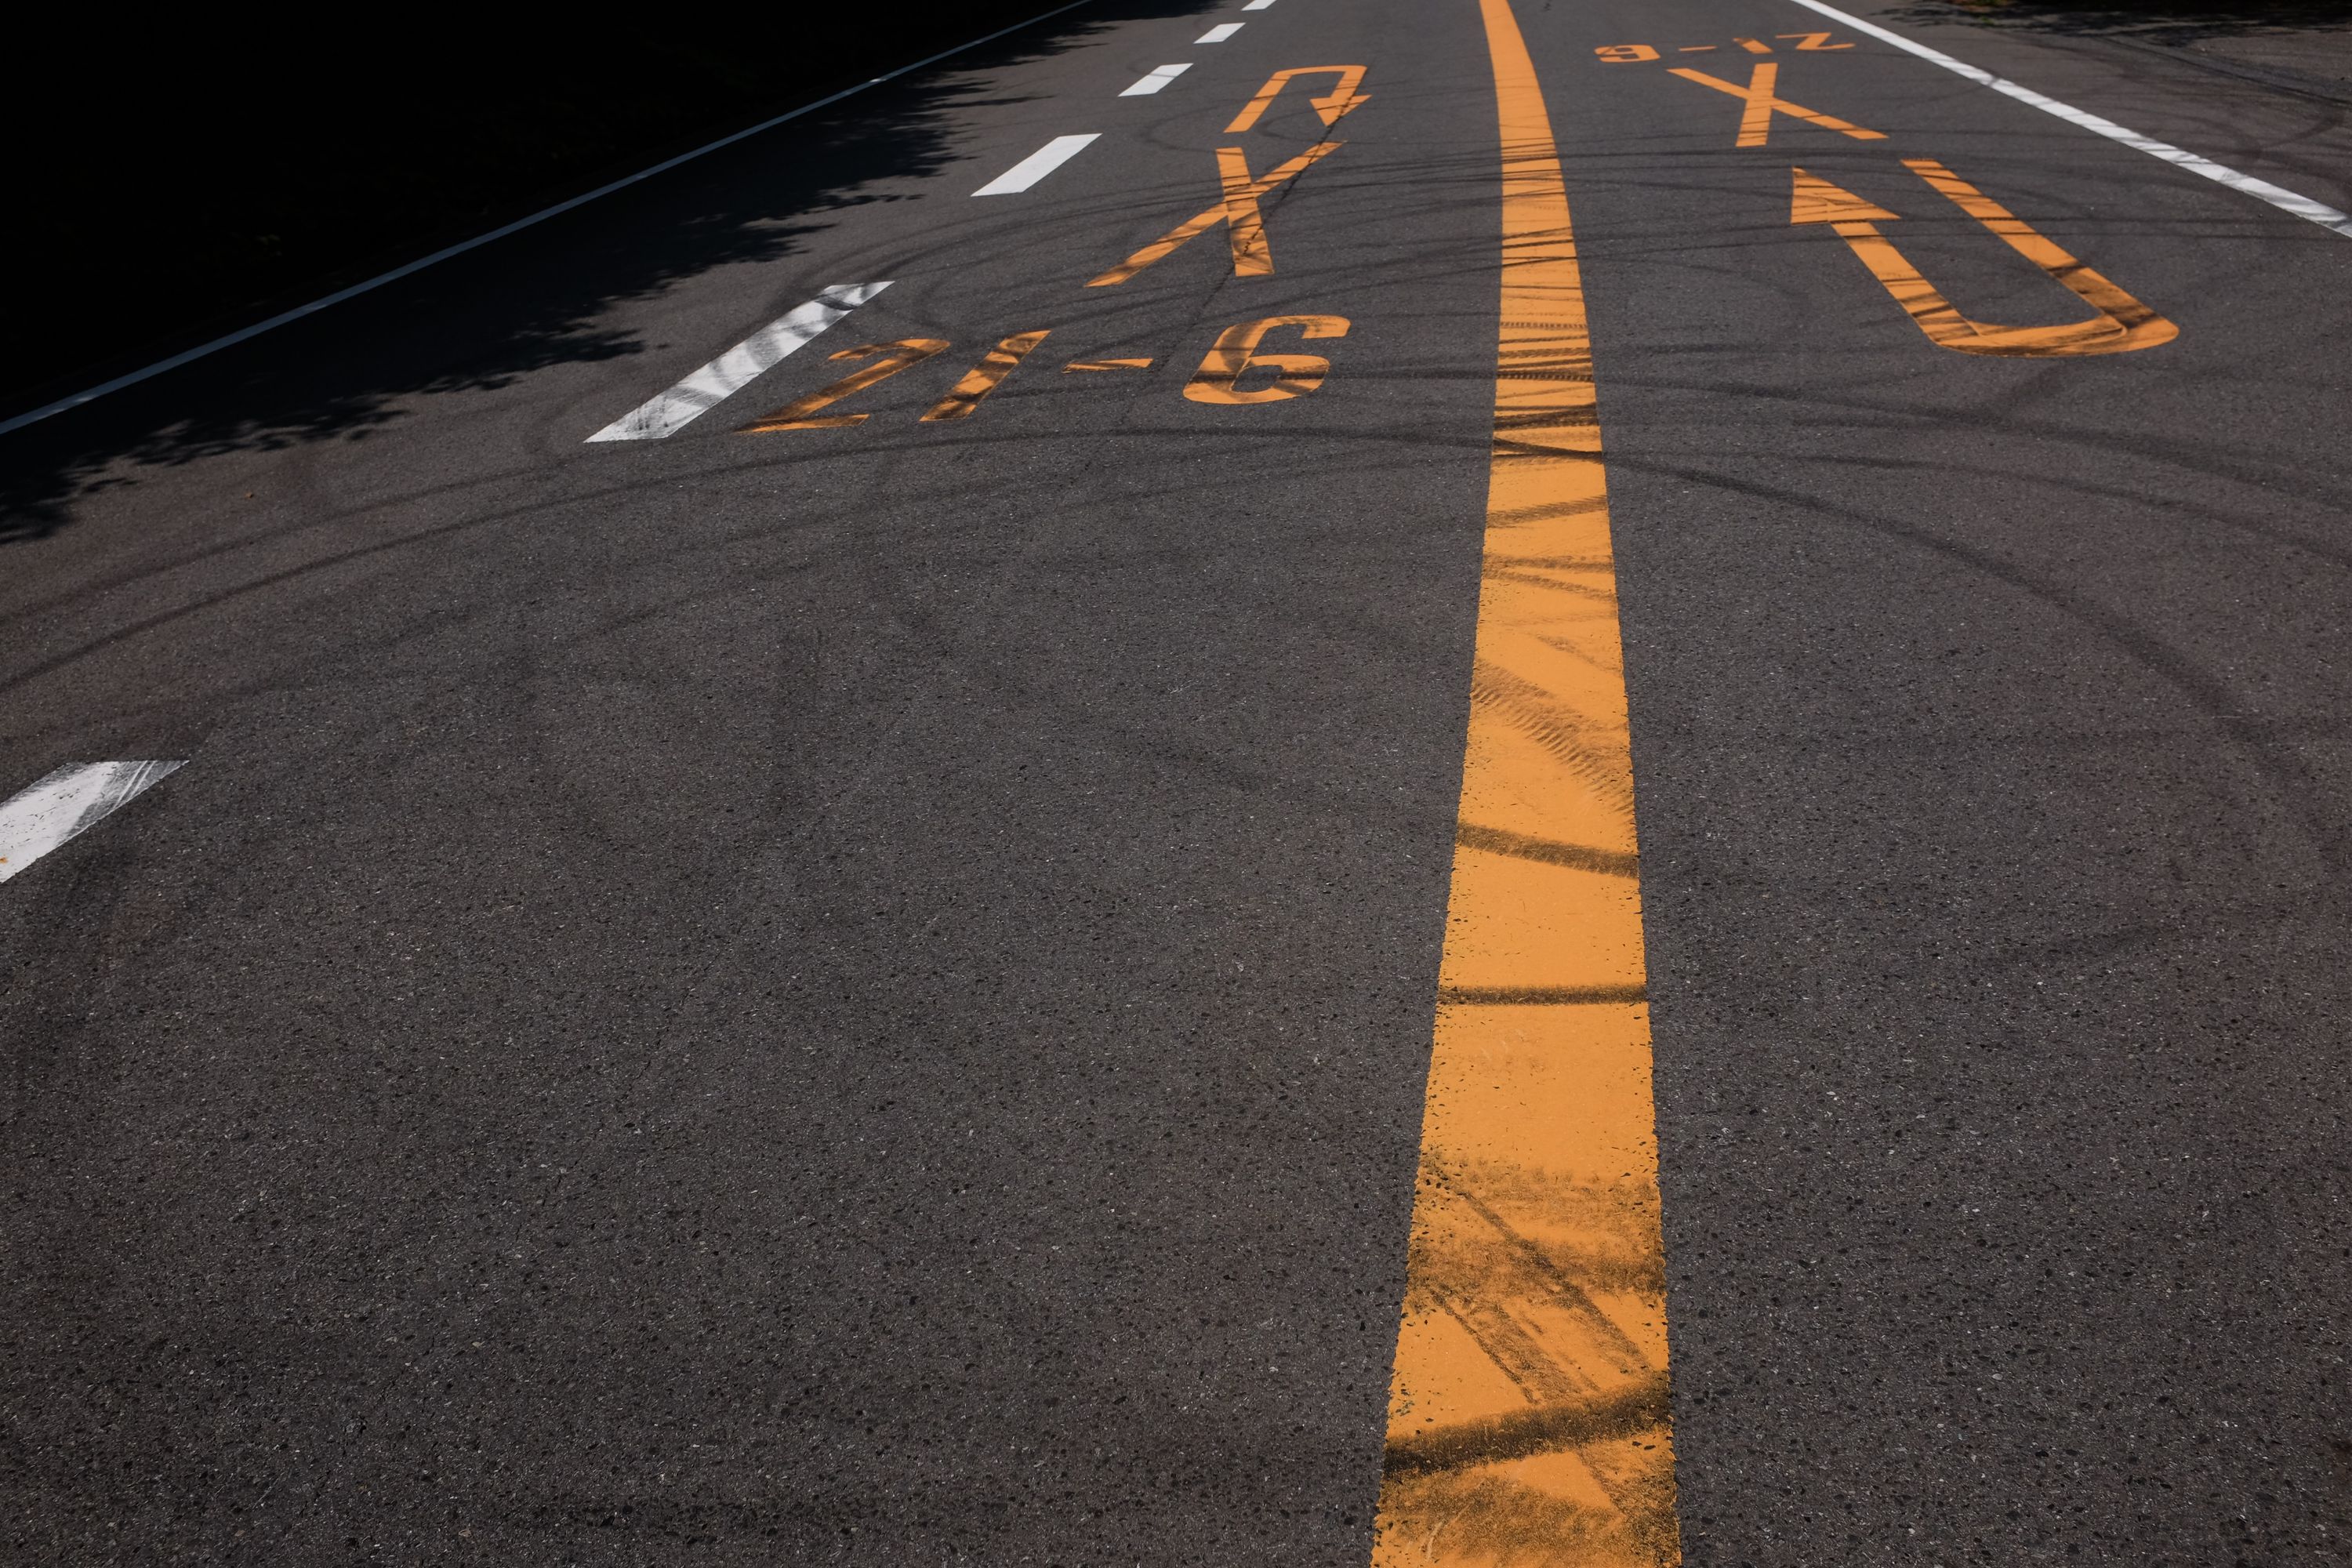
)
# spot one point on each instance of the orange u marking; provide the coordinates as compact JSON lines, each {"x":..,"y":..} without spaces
{"x":2123,"y":324}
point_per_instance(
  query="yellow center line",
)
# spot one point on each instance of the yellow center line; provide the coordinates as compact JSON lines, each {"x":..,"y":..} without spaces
{"x":1528,"y":1415}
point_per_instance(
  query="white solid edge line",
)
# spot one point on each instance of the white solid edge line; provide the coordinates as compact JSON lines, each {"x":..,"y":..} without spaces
{"x":1155,"y":79}
{"x":736,"y":369}
{"x":62,"y":803}
{"x":2278,"y":196}
{"x":1037,"y":165}
{"x":1220,"y":33}
{"x":77,"y":399}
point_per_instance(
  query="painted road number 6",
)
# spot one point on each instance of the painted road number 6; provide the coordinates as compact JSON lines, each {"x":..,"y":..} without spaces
{"x":1236,"y":352}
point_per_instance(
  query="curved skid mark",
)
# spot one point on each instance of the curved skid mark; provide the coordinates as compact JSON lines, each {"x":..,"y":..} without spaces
{"x":1529,"y":1264}
{"x":1540,"y":996}
{"x":1584,"y":748}
{"x":1638,"y":1408}
{"x":1538,"y":579}
{"x":1551,"y":851}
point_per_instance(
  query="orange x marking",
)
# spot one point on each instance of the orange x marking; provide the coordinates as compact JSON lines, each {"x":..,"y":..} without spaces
{"x":1755,"y":122}
{"x":1237,"y":210}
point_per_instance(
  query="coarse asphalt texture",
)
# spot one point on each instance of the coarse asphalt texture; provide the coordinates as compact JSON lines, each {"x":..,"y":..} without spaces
{"x":862,"y":994}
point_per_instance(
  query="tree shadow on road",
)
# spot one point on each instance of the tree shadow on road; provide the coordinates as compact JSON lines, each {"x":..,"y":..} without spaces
{"x":2142,"y":18}
{"x":2298,"y":47}
{"x":523,"y":304}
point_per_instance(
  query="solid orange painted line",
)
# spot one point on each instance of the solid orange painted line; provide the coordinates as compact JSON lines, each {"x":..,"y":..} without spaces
{"x":1527,"y":1418}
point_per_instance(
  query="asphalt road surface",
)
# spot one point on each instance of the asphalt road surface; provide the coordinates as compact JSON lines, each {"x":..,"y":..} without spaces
{"x":870,"y":874}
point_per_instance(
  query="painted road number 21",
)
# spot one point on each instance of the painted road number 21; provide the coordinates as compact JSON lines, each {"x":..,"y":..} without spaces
{"x":1230,"y":374}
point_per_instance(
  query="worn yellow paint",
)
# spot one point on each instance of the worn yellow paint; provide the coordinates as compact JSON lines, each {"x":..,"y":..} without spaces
{"x":1762,"y":101}
{"x":1236,"y":352}
{"x":1342,"y":97}
{"x":1815,"y":200}
{"x":1527,"y":1419}
{"x":2123,"y":324}
{"x":889,"y":358}
{"x":1097,"y":364}
{"x":984,"y":377}
{"x":1237,"y":208}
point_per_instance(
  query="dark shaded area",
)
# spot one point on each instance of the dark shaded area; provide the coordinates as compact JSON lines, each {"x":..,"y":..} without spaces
{"x":2301,"y":46}
{"x":864,"y":1000}
{"x":2168,"y":21}
{"x":527,"y":302}
{"x":222,"y":181}
{"x":2242,"y":18}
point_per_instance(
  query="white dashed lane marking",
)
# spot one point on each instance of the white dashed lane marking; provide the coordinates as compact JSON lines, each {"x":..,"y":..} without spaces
{"x":75,"y":797}
{"x":1156,"y":78}
{"x":1037,"y":165}
{"x":1218,"y":34}
{"x":736,"y":369}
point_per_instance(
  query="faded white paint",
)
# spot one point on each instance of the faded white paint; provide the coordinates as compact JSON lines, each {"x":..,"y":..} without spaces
{"x":75,"y":797}
{"x":736,"y":369}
